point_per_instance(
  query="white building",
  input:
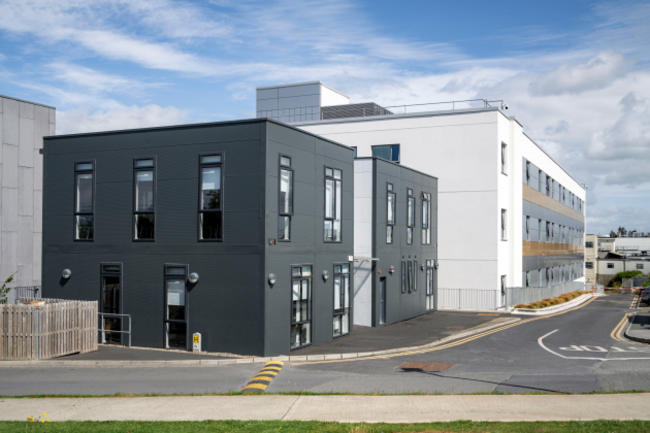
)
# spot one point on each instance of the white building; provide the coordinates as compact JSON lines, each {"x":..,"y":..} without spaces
{"x":496,"y":228}
{"x":23,"y":125}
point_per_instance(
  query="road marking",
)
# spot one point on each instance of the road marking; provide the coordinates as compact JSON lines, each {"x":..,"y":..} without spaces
{"x":263,"y":379}
{"x":541,"y":343}
{"x":447,"y":345}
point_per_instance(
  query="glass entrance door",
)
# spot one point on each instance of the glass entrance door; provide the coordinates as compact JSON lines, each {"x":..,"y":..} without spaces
{"x":111,"y":280}
{"x":382,"y":300}
{"x":176,"y":311}
{"x":300,"y":306}
{"x":431,"y":281}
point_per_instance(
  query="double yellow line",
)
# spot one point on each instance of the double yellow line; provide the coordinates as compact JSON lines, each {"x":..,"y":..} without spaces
{"x":260,"y":382}
{"x":620,"y":327}
{"x":448,"y":345}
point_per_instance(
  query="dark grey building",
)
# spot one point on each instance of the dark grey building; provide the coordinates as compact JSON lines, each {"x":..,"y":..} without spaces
{"x":261,"y":212}
{"x":396,"y":237}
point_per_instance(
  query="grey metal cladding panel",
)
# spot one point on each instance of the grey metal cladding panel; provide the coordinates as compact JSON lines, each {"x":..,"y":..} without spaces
{"x":26,"y":110}
{"x":291,"y":137}
{"x":10,"y":122}
{"x":149,"y":138}
{"x":540,"y":262}
{"x":267,"y":93}
{"x":302,"y":90}
{"x":334,"y":151}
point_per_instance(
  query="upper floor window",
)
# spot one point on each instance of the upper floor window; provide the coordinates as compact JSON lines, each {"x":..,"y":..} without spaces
{"x":528,"y":173}
{"x":410,"y":215}
{"x":333,"y":199}
{"x":589,"y":265}
{"x":390,"y":213}
{"x":549,"y":232}
{"x":504,"y":215}
{"x":527,"y":228}
{"x":84,"y":203}
{"x":540,"y":180}
{"x":610,"y":265}
{"x":389,"y":152}
{"x":504,"y":162}
{"x":549,"y":186}
{"x":285,"y":204}
{"x":144,"y":191}
{"x":355,"y":152}
{"x":426,"y":218}
{"x":211,"y":197}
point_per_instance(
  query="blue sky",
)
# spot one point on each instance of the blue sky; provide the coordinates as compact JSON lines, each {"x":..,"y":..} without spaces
{"x":575,"y":73}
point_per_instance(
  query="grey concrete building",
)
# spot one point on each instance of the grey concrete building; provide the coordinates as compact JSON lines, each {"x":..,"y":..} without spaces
{"x":396,"y":240}
{"x":241,"y":231}
{"x":23,"y":125}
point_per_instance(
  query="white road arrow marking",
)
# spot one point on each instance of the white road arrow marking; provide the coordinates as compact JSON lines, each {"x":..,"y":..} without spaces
{"x":541,"y":343}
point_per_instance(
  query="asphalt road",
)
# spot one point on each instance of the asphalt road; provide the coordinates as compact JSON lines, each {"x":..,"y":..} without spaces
{"x":571,"y":352}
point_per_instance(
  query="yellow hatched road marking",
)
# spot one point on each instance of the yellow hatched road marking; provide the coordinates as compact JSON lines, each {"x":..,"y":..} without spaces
{"x":448,"y":345}
{"x":262,"y":377}
{"x":280,"y":363}
{"x":272,"y":368}
{"x":268,"y":373}
{"x":256,"y":386}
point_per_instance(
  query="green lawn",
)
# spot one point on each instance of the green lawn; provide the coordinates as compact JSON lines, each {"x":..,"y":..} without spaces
{"x":328,"y":427}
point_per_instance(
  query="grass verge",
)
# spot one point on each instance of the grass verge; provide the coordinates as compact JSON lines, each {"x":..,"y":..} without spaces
{"x":328,"y":427}
{"x":566,"y":297}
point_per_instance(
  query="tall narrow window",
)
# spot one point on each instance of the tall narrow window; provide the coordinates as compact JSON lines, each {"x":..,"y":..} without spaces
{"x":144,"y":191}
{"x":110,"y":302}
{"x":301,"y":276}
{"x":341,"y":321}
{"x":390,"y":215}
{"x":285,"y":205}
{"x":540,"y":230}
{"x":549,"y":233}
{"x":176,"y":312}
{"x":404,"y":277}
{"x":540,"y":180}
{"x":388,"y":152}
{"x":504,"y":149}
{"x":332,"y":205}
{"x":426,"y":218}
{"x":503,"y":224}
{"x":549,"y":186}
{"x":410,"y":215}
{"x":211,"y":197}
{"x":528,"y":173}
{"x":84,"y":203}
{"x":527,"y":228}
{"x":430,"y":269}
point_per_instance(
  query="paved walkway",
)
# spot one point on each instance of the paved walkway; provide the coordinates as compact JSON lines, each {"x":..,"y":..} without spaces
{"x":418,"y":331}
{"x":346,"y":408}
{"x":639,"y":329}
{"x":114,"y":353}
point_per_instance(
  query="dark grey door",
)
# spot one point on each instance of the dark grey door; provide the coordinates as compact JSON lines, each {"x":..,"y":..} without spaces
{"x":176,"y":308}
{"x":382,"y":300}
{"x":110,"y":299}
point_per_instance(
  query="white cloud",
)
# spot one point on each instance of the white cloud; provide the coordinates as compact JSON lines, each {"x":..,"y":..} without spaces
{"x":96,"y":81}
{"x":597,"y":73}
{"x":121,"y":117}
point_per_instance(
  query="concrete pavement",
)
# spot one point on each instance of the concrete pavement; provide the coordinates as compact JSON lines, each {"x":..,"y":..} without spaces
{"x":639,"y":329}
{"x":344,"y":408}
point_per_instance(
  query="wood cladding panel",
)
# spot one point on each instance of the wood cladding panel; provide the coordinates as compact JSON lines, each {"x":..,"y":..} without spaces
{"x":531,"y":249}
{"x":543,"y":200}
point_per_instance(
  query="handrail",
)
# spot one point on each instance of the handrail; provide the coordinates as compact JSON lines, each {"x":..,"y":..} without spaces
{"x":103,"y":331}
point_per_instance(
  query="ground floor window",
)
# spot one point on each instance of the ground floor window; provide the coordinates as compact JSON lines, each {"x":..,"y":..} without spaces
{"x":341,"y":322}
{"x":301,"y":278}
{"x":430,"y":268}
{"x":176,"y":311}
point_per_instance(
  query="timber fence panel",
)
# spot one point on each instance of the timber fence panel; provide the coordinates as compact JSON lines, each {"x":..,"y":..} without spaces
{"x":51,"y":329}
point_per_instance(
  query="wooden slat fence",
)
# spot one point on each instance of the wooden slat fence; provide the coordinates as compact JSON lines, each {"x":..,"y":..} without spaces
{"x":55,"y":328}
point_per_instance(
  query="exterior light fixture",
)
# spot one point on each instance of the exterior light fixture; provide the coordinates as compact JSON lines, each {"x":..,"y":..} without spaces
{"x":423,"y":267}
{"x":436,"y":265}
{"x":326,"y":275}
{"x":272,"y":279}
{"x":194,"y":278}
{"x":66,"y":274}
{"x":391,"y":270}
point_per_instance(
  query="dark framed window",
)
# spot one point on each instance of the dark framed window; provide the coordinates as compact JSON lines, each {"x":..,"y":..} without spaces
{"x":504,"y":220}
{"x":430,"y":284}
{"x":341,"y":320}
{"x":639,"y":265}
{"x":84,"y":201}
{"x":549,"y":233}
{"x":528,"y":173}
{"x":176,"y":307}
{"x":211,"y":197}
{"x":404,"y":277}
{"x":540,"y":180}
{"x":540,"y":230}
{"x":504,"y":160}
{"x":110,"y":301}
{"x":409,"y":276}
{"x":527,"y":228}
{"x":426,"y":218}
{"x":390,"y":213}
{"x":549,"y":186}
{"x":144,"y":199}
{"x":301,"y":282}
{"x":589,"y":244}
{"x":355,"y":152}
{"x":389,"y":152}
{"x":333,"y":201}
{"x":410,"y":215}
{"x":285,"y":199}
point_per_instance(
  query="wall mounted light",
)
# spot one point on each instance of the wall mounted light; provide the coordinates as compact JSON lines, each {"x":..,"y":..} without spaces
{"x":272,"y":278}
{"x":194,"y":278}
{"x":66,"y":274}
{"x":326,"y":275}
{"x":437,"y":265}
{"x":391,"y":270}
{"x":423,"y":267}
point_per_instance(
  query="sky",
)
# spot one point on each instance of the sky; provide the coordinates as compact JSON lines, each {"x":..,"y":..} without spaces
{"x":575,"y":73}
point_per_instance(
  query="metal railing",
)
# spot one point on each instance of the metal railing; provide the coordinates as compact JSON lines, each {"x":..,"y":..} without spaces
{"x":444,"y":106}
{"x":31,"y":292}
{"x":103,"y":331}
{"x":526,"y":295}
{"x":470,"y":299}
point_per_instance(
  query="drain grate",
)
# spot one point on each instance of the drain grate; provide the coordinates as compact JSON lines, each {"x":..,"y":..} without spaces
{"x":425,"y":366}
{"x":455,"y":327}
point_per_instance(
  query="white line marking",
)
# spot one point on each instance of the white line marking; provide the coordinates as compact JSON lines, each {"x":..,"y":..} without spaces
{"x":539,"y":341}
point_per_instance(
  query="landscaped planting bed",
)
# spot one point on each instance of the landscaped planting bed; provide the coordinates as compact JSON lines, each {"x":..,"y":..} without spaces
{"x":554,"y":301}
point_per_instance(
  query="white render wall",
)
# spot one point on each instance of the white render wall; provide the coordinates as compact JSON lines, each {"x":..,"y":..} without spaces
{"x":363,"y":242}
{"x":22,"y":128}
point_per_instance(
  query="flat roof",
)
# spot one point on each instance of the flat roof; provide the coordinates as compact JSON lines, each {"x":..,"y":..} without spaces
{"x":27,"y":102}
{"x":430,"y":114}
{"x":302,"y":84}
{"x":195,"y":125}
{"x":395,"y":164}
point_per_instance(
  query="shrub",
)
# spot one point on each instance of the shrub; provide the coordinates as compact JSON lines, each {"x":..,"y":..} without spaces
{"x":618,"y":278}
